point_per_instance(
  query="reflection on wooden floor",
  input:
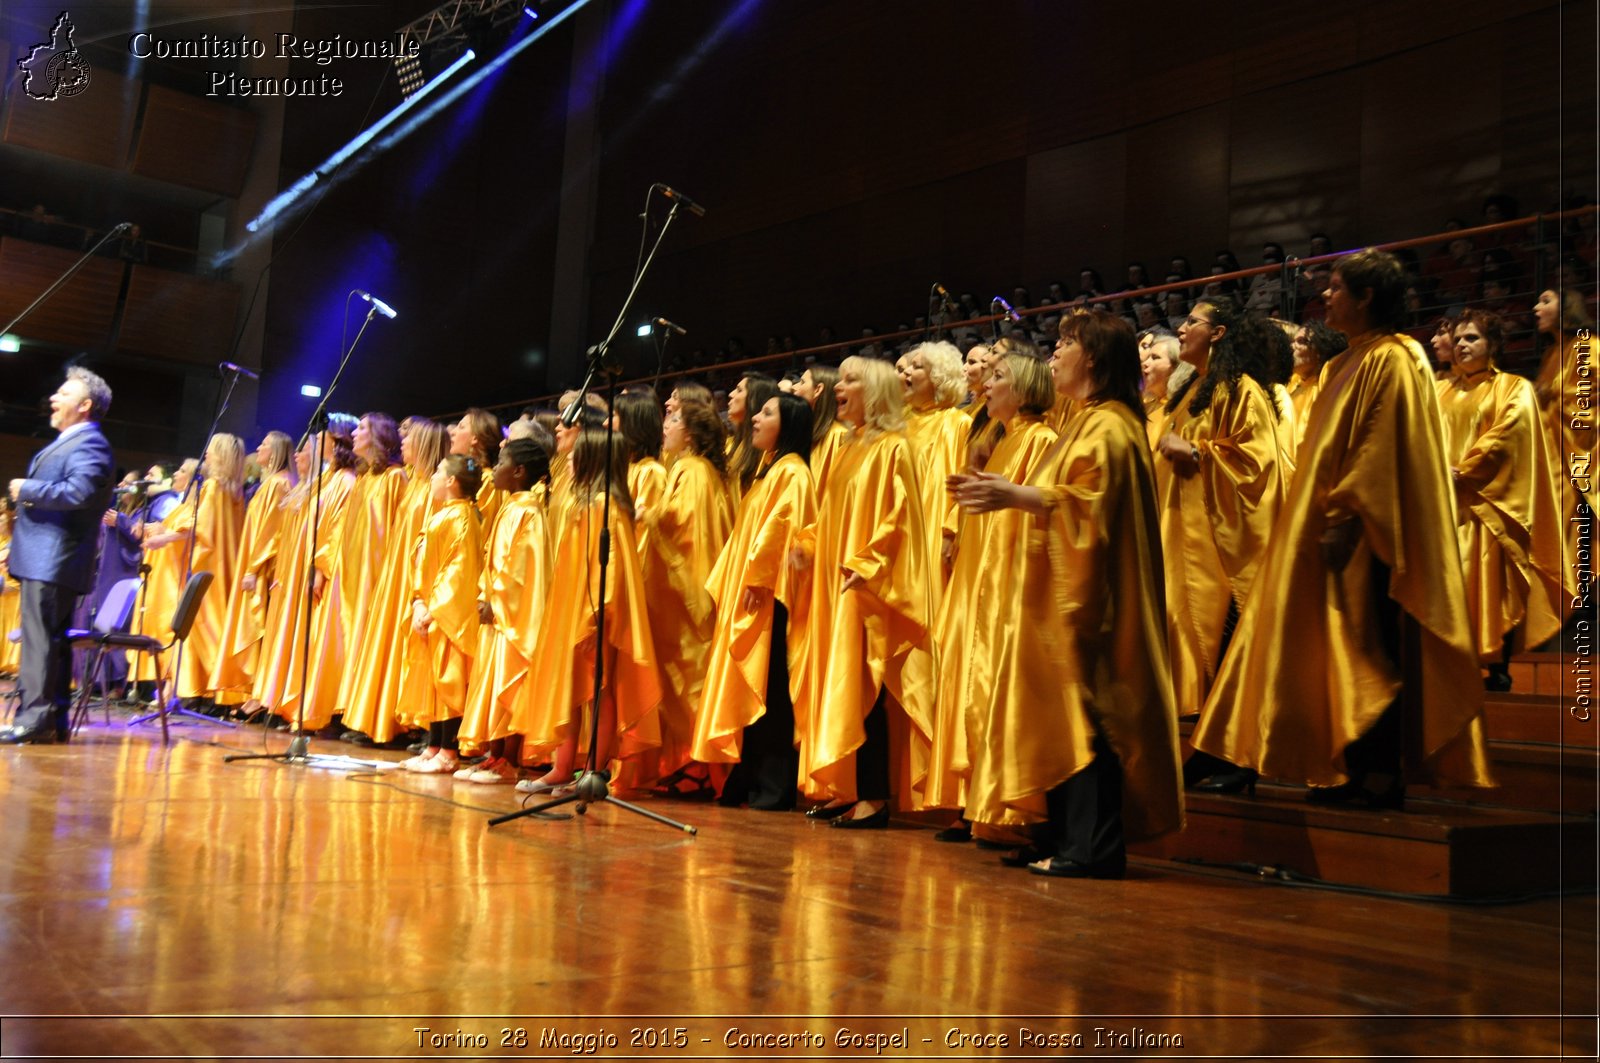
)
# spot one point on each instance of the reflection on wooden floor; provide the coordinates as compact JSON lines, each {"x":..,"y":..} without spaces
{"x":137,"y":880}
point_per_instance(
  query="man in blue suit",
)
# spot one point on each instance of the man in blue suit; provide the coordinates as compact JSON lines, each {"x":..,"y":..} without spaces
{"x":59,"y":506}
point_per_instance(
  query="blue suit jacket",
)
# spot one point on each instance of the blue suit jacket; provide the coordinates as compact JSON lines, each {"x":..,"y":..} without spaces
{"x":59,"y":506}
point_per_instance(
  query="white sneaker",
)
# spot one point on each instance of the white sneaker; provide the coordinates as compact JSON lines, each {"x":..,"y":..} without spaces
{"x":466,"y":774}
{"x":416,"y":762}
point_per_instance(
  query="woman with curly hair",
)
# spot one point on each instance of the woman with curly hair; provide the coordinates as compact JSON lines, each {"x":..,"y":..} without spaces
{"x":1219,"y":485}
{"x":1314,"y":345}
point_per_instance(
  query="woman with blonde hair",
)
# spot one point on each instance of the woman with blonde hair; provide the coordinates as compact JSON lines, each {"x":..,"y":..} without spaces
{"x":937,"y":429}
{"x":871,"y":574}
{"x":164,"y":582}
{"x":1161,"y":372}
{"x":1082,"y":736}
{"x":379,"y":701}
{"x":238,"y":649}
{"x":363,"y":537}
{"x":984,"y":600}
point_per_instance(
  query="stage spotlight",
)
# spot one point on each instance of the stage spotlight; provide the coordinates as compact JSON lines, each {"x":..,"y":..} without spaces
{"x":10,"y":343}
{"x":311,"y":391}
{"x":644,"y":330}
{"x":527,"y":9}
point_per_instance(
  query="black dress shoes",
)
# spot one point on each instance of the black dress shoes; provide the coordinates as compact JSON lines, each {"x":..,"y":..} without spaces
{"x":1060,"y":867}
{"x":828,"y":811}
{"x":41,"y":736}
{"x":879,"y":820}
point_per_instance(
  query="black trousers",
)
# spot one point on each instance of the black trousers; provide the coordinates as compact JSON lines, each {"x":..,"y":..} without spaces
{"x":1086,"y":813}
{"x":1379,"y":750}
{"x":771,"y":763}
{"x":45,"y":676}
{"x":872,"y":759}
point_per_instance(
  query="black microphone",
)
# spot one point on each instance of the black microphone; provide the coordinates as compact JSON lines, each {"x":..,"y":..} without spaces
{"x":662,"y":322}
{"x":378,"y":304}
{"x":229,"y":367}
{"x":1002,"y":304}
{"x":673,"y":194}
{"x":133,"y":487}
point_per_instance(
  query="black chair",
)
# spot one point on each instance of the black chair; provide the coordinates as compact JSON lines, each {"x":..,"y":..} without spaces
{"x":109,"y":620}
{"x":182,"y":621}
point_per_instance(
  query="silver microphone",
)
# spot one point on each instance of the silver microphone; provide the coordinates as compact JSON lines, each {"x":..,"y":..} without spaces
{"x":1003,"y":305}
{"x":673,"y":194}
{"x":378,"y":304}
{"x":661,"y":322}
{"x":229,"y":367}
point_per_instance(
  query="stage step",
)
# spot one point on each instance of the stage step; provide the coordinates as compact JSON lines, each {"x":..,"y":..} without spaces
{"x":1434,"y":848}
{"x":1568,"y":675}
{"x":1547,"y":718}
{"x":1537,"y":776}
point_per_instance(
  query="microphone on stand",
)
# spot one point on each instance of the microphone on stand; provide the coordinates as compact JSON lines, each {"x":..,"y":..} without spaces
{"x":378,"y":304}
{"x":134,"y":488}
{"x":673,"y":194}
{"x":1003,"y":305}
{"x":229,"y":367}
{"x":661,"y":322}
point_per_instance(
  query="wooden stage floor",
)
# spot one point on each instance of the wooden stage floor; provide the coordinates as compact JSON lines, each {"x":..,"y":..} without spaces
{"x":158,"y":903}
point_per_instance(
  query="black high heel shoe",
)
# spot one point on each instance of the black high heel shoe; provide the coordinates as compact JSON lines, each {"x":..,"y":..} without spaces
{"x":1228,"y":782}
{"x":828,"y":811}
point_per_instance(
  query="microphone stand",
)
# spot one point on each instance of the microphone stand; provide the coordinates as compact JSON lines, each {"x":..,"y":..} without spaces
{"x":115,"y":230}
{"x":592,"y":787}
{"x":173,"y":705}
{"x":299,"y":749}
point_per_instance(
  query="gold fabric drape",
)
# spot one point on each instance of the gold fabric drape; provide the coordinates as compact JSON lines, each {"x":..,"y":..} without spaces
{"x":285,"y":598}
{"x":1215,"y":523}
{"x":516,"y":586}
{"x":779,"y":506}
{"x":327,"y":656}
{"x":376,"y":702}
{"x":446,"y":583}
{"x":548,"y":710}
{"x":216,"y":550}
{"x":824,"y":452}
{"x":686,"y":530}
{"x":1567,"y":401}
{"x":238,"y":650}
{"x":364,"y":543}
{"x":10,"y":612}
{"x":980,"y":615}
{"x":1507,"y":524}
{"x":1090,"y":650}
{"x":1305,"y":674}
{"x":869,"y":522}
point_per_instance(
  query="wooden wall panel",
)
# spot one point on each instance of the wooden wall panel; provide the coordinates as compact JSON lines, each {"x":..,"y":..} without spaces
{"x":178,"y":316}
{"x":94,"y":126}
{"x":79,"y":314}
{"x":195,"y":142}
{"x":1177,"y":191}
{"x":1076,"y":200}
{"x":1293,"y":166}
{"x":1429,"y":147}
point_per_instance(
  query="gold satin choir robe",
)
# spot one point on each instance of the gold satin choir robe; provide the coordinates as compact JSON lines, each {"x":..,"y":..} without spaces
{"x":377,"y":701}
{"x":823,"y":453}
{"x":780,"y":505}
{"x":1507,"y":524}
{"x":978,"y":618}
{"x":446,"y":584}
{"x":233,"y":669}
{"x":363,"y":550}
{"x":516,"y":586}
{"x":1089,"y":651}
{"x":1305,"y":674}
{"x":687,"y":528}
{"x":876,"y":636}
{"x":319,"y":532}
{"x":216,"y":549}
{"x":285,"y":597}
{"x":10,"y":613}
{"x":1566,"y":391}
{"x":152,"y":611}
{"x":1215,"y":523}
{"x":551,"y":708}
